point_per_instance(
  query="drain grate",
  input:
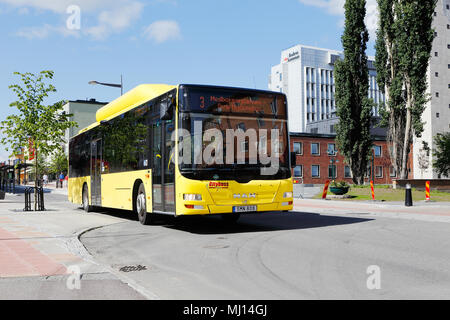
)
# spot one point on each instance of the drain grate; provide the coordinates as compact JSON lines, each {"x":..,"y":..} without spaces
{"x":132,"y":268}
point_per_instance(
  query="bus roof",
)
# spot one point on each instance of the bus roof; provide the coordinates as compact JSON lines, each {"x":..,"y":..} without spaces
{"x":131,"y":99}
{"x":144,"y":93}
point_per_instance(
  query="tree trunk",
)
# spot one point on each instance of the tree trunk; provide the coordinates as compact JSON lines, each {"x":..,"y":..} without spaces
{"x":407,"y":137}
{"x":36,"y":176}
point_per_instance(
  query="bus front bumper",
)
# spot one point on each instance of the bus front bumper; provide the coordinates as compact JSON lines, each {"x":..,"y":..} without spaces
{"x":216,"y":209}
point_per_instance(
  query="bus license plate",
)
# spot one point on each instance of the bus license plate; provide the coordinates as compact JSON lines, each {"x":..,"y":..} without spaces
{"x":244,"y":209}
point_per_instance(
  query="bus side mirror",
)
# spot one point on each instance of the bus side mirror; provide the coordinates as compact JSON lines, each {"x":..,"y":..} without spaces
{"x":293,"y":159}
{"x":166,"y":109}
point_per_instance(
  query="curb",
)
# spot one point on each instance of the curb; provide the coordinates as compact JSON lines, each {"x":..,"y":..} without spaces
{"x":82,"y":251}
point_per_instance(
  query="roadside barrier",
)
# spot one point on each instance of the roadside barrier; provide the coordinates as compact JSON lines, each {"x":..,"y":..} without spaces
{"x":373,"y":191}
{"x":38,"y":196}
{"x":427,"y":191}
{"x":325,"y":189}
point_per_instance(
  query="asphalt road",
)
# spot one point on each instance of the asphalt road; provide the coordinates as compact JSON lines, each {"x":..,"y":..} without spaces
{"x":295,"y":255}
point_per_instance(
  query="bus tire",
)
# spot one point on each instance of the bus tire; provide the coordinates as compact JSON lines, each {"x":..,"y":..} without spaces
{"x":231,"y":217}
{"x":85,"y":199}
{"x":140,"y":201}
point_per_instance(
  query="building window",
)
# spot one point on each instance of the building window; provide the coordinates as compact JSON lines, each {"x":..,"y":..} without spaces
{"x":436,"y":54}
{"x":315,"y":171}
{"x":347,"y":172}
{"x":379,"y":172}
{"x":332,"y":128}
{"x":436,"y":74}
{"x":437,"y":94}
{"x":298,"y":171}
{"x":298,"y":148}
{"x":437,"y":114}
{"x":314,"y":130}
{"x":315,"y":148}
{"x":377,"y":151}
{"x":332,"y":172}
{"x":331,"y":150}
{"x":392,"y":172}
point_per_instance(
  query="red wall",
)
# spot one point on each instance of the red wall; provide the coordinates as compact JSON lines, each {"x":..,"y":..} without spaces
{"x":323,"y":160}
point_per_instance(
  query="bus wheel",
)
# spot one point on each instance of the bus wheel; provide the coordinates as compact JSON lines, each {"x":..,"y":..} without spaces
{"x":231,"y":217}
{"x":85,"y":197}
{"x":141,"y":206}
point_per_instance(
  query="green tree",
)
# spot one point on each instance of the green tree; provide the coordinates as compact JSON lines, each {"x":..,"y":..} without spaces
{"x":442,"y":154}
{"x":354,"y":108}
{"x":59,"y":162}
{"x":403,"y":47}
{"x":43,"y":125}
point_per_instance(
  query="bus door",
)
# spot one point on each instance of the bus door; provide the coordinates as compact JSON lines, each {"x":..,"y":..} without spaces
{"x":163,"y":171}
{"x":96,"y":166}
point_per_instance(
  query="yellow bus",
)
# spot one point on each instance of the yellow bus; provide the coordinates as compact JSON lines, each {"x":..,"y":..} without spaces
{"x":185,"y":150}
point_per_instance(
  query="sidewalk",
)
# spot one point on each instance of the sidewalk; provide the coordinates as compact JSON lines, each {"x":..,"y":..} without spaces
{"x":41,"y":246}
{"x":421,"y":210}
{"x":49,"y":188}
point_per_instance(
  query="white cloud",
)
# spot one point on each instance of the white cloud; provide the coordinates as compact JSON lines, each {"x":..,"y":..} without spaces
{"x":336,"y":7}
{"x":115,"y":20}
{"x":163,"y":30}
{"x":112,"y":16}
{"x":60,"y":6}
{"x":45,"y":31}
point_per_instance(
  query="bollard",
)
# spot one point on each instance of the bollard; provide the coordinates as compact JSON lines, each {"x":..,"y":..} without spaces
{"x":373,"y":191}
{"x":408,"y":196}
{"x":427,"y":191}
{"x":325,"y":190}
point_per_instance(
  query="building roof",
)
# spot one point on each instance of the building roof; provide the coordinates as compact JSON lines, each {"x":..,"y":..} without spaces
{"x":327,"y":136}
{"x":90,"y":101}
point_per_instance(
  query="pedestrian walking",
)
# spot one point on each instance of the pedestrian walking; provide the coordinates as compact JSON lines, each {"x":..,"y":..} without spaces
{"x":61,"y":179}
{"x":45,"y":178}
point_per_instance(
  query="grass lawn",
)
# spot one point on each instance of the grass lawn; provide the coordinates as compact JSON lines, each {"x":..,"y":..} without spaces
{"x":386,"y":193}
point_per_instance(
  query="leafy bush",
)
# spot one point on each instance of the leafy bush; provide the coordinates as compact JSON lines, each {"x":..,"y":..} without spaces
{"x":339,"y":184}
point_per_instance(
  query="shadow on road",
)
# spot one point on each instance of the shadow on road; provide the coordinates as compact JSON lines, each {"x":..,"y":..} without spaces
{"x":260,"y":223}
{"x":247,"y":223}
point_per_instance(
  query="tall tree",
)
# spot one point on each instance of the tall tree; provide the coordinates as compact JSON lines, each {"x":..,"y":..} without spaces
{"x":354,"y":107}
{"x":403,"y":47}
{"x":442,"y":154}
{"x":42,"y":125}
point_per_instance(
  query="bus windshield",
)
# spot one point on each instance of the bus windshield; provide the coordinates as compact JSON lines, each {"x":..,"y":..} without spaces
{"x":232,"y":134}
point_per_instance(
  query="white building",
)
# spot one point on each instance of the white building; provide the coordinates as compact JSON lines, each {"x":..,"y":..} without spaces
{"x":83,"y":112}
{"x":306,"y":75}
{"x":437,"y":112}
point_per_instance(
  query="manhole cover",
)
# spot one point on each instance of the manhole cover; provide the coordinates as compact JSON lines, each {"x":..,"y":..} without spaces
{"x":132,"y":268}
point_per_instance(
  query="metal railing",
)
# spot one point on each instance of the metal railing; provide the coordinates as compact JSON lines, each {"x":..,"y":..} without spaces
{"x":38,"y":196}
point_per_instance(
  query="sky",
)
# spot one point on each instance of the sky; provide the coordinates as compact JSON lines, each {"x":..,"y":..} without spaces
{"x":230,"y":42}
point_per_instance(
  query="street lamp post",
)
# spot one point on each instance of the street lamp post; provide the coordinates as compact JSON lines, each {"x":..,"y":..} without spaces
{"x":110,"y":84}
{"x":333,"y":162}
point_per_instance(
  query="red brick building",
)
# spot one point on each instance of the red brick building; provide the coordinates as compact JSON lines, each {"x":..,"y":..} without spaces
{"x":318,"y":160}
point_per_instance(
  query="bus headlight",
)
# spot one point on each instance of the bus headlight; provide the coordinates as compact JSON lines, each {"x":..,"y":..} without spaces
{"x":192,"y":197}
{"x":287,"y":195}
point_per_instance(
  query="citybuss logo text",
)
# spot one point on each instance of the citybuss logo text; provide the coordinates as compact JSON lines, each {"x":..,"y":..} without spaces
{"x":218,"y":184}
